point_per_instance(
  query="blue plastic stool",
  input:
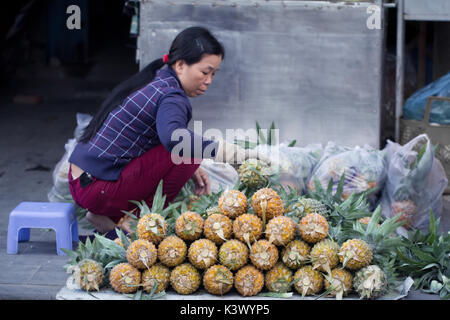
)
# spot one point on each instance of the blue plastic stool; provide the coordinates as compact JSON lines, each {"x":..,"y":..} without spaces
{"x":59,"y":216}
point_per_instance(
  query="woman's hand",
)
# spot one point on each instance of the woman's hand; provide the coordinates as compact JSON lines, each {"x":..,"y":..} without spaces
{"x":201,"y":181}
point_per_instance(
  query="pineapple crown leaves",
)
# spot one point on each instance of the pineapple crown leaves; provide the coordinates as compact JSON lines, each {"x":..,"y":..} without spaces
{"x":111,"y":248}
{"x":426,"y":257}
{"x":88,"y":250}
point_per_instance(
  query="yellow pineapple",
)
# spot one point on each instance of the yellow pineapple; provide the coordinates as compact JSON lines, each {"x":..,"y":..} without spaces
{"x":202,"y":253}
{"x":141,"y":254}
{"x":172,"y":251}
{"x":152,"y":227}
{"x":295,"y":254}
{"x":313,"y":227}
{"x":233,"y":254}
{"x":340,"y":281}
{"x":370,"y":282}
{"x":218,"y":279}
{"x":247,"y":228}
{"x":157,"y":275}
{"x":279,"y":278}
{"x":355,"y":254}
{"x":213,"y":210}
{"x":124,"y":278}
{"x":308,"y":281}
{"x":89,"y":275}
{"x":254,"y":173}
{"x":233,"y":203}
{"x":266,"y":203}
{"x":248,"y":281}
{"x":189,"y":226}
{"x":264,"y":255}
{"x":324,"y":255}
{"x":185,"y":279}
{"x":280,"y":230}
{"x":218,"y":228}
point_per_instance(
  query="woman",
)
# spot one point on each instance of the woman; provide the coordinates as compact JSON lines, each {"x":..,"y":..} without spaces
{"x":126,"y":150}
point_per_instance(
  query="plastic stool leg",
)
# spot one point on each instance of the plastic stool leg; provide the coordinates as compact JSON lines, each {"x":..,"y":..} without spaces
{"x":63,"y":240}
{"x":24,"y":234}
{"x":75,"y":231}
{"x":12,"y":240}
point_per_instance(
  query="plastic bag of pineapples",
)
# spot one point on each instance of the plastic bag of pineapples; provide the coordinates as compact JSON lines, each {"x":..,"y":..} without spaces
{"x":364,"y":168}
{"x":292,"y":166}
{"x":415,"y":183}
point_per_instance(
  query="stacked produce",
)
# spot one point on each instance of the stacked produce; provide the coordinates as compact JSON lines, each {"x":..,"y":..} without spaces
{"x":264,"y":241}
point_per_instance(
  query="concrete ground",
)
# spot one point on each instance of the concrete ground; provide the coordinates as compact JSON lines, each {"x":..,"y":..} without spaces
{"x":32,"y":139}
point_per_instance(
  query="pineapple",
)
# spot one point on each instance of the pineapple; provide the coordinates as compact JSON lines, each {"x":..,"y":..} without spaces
{"x":189,"y":226}
{"x":218,"y":228}
{"x":218,"y":279}
{"x":295,"y":254}
{"x":279,"y":278}
{"x":233,"y":254}
{"x":185,"y":279}
{"x":172,"y":251}
{"x":280,"y":230}
{"x":202,"y":253}
{"x":233,"y":203}
{"x":313,"y":227}
{"x":213,"y":210}
{"x":266,"y":203}
{"x":355,"y":254}
{"x":408,"y":209}
{"x":263,"y":255}
{"x":124,"y":278}
{"x":141,"y":254}
{"x":254,"y":173}
{"x":308,"y":281}
{"x":152,"y":227}
{"x":247,"y":228}
{"x":304,"y":206}
{"x":248,"y":281}
{"x":157,"y":275}
{"x":89,"y":275}
{"x":339,"y":283}
{"x":324,"y":255}
{"x":370,"y":282}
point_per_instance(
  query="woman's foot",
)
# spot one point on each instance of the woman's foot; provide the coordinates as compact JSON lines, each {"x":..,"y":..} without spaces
{"x":102,"y":224}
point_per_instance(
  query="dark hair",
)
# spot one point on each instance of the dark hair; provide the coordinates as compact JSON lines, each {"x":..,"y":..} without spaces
{"x":189,"y":45}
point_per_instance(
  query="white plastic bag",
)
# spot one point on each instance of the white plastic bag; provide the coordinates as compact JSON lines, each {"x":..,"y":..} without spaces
{"x":221,"y":175}
{"x":364,"y":169}
{"x":415,"y":182}
{"x":292,"y":166}
{"x":60,"y":191}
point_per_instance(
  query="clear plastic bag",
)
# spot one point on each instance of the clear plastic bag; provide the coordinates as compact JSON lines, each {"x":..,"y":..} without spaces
{"x":415,"y":182}
{"x":364,"y":169}
{"x":221,"y":175}
{"x":60,"y":191}
{"x":292,"y":166}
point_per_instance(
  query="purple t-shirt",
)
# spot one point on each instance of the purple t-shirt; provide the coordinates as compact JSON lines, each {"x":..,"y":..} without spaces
{"x":145,"y":119}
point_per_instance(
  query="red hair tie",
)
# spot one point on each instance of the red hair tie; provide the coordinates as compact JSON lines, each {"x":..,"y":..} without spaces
{"x":166,"y":58}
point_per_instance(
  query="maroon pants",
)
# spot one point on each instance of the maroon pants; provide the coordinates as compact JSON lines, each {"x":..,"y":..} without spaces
{"x":138,"y":181}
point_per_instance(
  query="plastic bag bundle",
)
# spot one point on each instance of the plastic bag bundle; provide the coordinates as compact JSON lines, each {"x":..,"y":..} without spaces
{"x":60,"y":191}
{"x":292,"y":166}
{"x":221,"y":175}
{"x":364,"y":169}
{"x":415,"y":182}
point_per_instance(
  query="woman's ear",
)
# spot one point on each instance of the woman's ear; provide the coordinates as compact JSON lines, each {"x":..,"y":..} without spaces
{"x":179,"y":66}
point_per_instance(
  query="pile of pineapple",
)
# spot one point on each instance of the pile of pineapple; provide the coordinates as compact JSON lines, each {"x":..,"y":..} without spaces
{"x":261,"y":241}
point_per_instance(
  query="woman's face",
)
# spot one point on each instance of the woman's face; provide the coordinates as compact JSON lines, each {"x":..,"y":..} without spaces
{"x":196,"y":78}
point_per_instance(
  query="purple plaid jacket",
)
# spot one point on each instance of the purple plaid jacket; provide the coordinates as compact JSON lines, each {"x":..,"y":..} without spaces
{"x":146,"y":118}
